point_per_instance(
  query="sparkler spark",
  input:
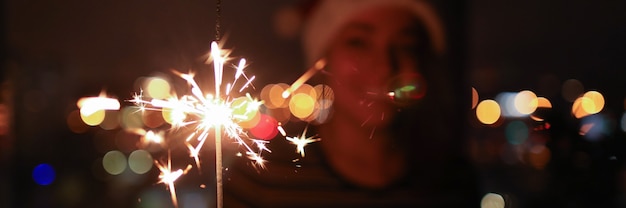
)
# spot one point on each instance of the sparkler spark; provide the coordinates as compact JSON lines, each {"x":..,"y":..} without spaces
{"x":302,"y":141}
{"x":168,"y":177}
{"x":318,"y":66}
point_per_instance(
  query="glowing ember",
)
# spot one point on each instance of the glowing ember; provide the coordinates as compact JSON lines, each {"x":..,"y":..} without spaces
{"x":168,"y":177}
{"x":302,"y":141}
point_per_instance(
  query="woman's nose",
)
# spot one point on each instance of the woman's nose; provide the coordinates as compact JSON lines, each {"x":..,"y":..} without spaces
{"x":385,"y":63}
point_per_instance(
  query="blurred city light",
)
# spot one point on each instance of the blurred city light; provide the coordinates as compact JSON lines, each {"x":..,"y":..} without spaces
{"x":43,"y":174}
{"x":488,"y":111}
{"x":114,"y":162}
{"x":492,"y":200}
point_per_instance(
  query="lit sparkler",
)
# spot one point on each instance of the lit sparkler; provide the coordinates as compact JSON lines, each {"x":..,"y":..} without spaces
{"x":302,"y":141}
{"x":206,"y":112}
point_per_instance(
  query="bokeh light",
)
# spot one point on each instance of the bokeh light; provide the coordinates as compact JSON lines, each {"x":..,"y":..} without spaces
{"x":301,"y":105}
{"x":140,"y":161}
{"x":475,"y":98}
{"x":245,"y":112}
{"x":114,"y":162}
{"x":579,"y":109}
{"x":492,"y":200}
{"x":265,"y":95}
{"x":306,"y":89}
{"x":572,"y":89}
{"x":276,"y":99}
{"x":526,"y":102}
{"x":173,"y":116}
{"x":266,"y":129}
{"x":407,"y":88}
{"x":595,"y":127}
{"x":280,"y":114}
{"x":543,"y":102}
{"x":507,"y":104}
{"x":43,"y":174}
{"x":593,"y":103}
{"x":93,"y":119}
{"x":325,"y":96}
{"x":488,"y":111}
{"x":131,"y":118}
{"x":157,"y":88}
{"x":152,"y":119}
{"x":111,"y":120}
{"x":516,"y":132}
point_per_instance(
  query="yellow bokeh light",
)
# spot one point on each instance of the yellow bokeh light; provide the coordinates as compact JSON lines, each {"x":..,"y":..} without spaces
{"x":488,"y":111}
{"x":526,"y":102}
{"x":594,"y":102}
{"x":157,"y":88}
{"x":246,"y":112}
{"x":252,"y":122}
{"x":301,"y":105}
{"x":243,"y":109}
{"x":114,"y":162}
{"x":543,"y":103}
{"x":474,"y":98}
{"x":492,"y":200}
{"x":577,"y":107}
{"x":94,"y":118}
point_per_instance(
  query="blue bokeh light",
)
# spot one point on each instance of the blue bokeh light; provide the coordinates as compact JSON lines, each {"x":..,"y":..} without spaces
{"x":43,"y":174}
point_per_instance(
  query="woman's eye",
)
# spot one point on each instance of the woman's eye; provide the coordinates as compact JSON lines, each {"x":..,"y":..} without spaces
{"x":357,"y":43}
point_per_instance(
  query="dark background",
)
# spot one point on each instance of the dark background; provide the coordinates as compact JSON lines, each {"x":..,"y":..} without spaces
{"x":56,"y":52}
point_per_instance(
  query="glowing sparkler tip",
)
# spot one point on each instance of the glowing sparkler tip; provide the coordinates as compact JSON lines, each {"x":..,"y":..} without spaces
{"x":320,"y":64}
{"x":286,"y":93}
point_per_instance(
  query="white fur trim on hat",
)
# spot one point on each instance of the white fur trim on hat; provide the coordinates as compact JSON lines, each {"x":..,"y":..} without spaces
{"x":330,"y":15}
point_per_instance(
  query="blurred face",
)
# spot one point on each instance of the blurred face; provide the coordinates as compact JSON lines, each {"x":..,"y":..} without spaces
{"x":371,"y":53}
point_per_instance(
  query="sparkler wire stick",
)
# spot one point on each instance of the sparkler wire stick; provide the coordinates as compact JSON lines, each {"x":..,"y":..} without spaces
{"x":218,"y":133}
{"x":218,"y":166}
{"x":318,"y":66}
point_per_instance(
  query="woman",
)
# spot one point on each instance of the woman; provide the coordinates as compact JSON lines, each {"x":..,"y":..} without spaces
{"x":386,"y":143}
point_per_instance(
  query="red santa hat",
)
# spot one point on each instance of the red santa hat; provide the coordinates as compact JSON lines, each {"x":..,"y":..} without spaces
{"x":326,"y":17}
